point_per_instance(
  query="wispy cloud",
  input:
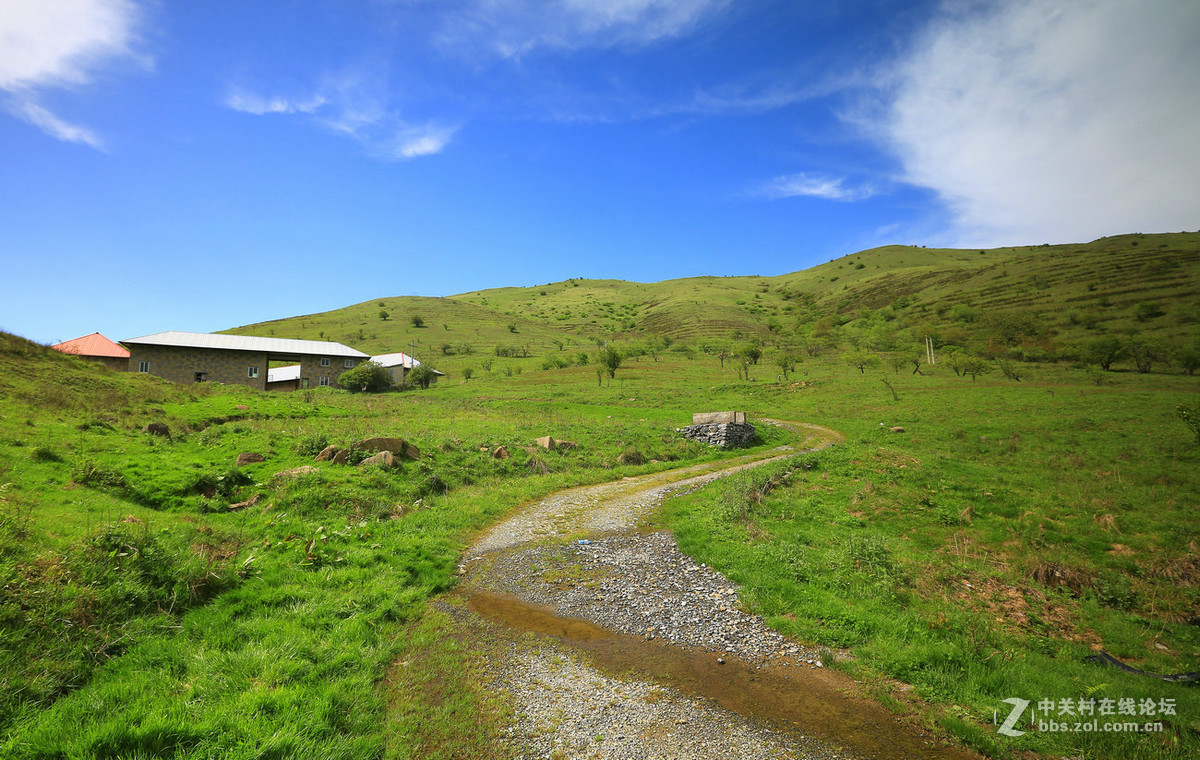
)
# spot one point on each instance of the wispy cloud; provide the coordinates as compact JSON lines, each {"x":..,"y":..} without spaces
{"x":514,"y":28}
{"x":355,"y":105}
{"x":815,"y":186}
{"x":257,"y":105}
{"x":53,"y":44}
{"x":1044,"y":121}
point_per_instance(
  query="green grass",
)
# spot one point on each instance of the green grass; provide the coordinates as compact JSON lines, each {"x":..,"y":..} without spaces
{"x":977,"y":556}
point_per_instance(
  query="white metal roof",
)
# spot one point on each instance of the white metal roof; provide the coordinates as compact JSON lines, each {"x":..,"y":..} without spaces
{"x":283,"y":374}
{"x":397,"y":359}
{"x":246,"y":343}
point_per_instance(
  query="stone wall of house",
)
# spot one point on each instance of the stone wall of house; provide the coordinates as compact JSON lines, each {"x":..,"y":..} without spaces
{"x":118,"y":363}
{"x":727,"y":435}
{"x":181,"y":365}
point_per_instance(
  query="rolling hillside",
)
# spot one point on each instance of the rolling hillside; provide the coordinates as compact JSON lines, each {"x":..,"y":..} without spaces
{"x":1061,"y":293}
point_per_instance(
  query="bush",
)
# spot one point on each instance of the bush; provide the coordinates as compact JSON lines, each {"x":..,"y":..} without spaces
{"x":368,"y":377}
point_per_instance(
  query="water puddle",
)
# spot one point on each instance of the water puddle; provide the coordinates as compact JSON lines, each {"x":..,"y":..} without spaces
{"x":811,"y":702}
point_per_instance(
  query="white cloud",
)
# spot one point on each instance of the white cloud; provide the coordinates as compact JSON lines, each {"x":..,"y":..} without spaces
{"x":815,"y":186}
{"x":60,"y":43}
{"x":512,"y":28}
{"x":54,"y":126}
{"x":257,"y":105}
{"x":1051,"y":121}
{"x":349,"y":104}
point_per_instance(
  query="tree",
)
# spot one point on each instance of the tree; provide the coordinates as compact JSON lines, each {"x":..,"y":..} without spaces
{"x":1104,"y":351}
{"x":1144,"y":352}
{"x":974,"y":366}
{"x":468,"y":373}
{"x":367,"y":377}
{"x":421,"y":375}
{"x":752,"y":352}
{"x":417,"y":320}
{"x":610,"y":360}
{"x":786,"y":362}
{"x":383,"y":314}
{"x":860,"y":360}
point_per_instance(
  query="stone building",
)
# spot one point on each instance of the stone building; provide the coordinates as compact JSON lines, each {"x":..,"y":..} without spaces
{"x":96,"y":348}
{"x":185,"y":357}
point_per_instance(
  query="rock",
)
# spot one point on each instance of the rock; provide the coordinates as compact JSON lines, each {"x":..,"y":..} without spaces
{"x":397,"y":446}
{"x":724,"y":435}
{"x":241,"y":407}
{"x":500,"y":453}
{"x":297,"y":472}
{"x":566,"y":445}
{"x":719,"y":418}
{"x":341,"y":456}
{"x":327,"y":453}
{"x":384,"y":459}
{"x":157,"y":428}
{"x":243,"y":504}
{"x":250,"y":457}
{"x":546,"y":442}
{"x":896,"y":429}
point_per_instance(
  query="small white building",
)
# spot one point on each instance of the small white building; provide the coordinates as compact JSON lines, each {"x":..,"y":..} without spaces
{"x":399,"y":365}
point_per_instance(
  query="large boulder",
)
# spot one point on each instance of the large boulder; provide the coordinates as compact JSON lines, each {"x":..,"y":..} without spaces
{"x":500,"y":452}
{"x":384,"y":459}
{"x":397,"y":446}
{"x":327,"y":453}
{"x":341,"y":456}
{"x":250,"y":457}
{"x":297,"y":472}
{"x":546,"y":442}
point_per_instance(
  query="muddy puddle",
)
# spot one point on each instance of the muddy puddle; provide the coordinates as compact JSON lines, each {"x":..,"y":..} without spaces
{"x":798,"y":699}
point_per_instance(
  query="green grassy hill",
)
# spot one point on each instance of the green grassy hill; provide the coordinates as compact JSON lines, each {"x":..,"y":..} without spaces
{"x":1043,"y":298}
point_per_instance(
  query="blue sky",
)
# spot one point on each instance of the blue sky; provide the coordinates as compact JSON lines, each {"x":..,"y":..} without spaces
{"x":201,"y":165}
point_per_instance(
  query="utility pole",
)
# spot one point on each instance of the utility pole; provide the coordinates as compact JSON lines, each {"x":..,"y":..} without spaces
{"x":930,"y":358}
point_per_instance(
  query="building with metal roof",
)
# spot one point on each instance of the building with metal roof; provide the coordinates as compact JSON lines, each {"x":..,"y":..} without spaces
{"x":187,"y":357}
{"x":399,"y":364}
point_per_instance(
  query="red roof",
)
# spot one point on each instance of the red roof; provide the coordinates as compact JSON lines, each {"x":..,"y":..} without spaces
{"x":92,"y":345}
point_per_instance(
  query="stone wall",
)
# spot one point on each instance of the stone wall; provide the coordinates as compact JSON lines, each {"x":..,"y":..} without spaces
{"x":727,"y":435}
{"x":181,"y":365}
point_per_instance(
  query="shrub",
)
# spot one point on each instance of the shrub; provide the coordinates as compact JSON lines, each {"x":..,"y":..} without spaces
{"x":368,"y":377}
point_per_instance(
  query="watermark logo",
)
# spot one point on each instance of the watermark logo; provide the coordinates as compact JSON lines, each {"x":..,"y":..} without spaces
{"x":1085,"y":715}
{"x":1008,"y":727}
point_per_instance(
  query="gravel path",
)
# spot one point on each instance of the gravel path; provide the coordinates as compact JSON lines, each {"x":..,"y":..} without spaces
{"x":578,"y":554}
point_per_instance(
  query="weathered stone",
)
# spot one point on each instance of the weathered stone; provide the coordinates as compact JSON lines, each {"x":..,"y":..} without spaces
{"x":546,"y":442}
{"x":241,"y":407}
{"x":384,"y":459}
{"x":897,"y":429}
{"x":250,"y":457}
{"x":341,"y":456}
{"x":724,"y":435}
{"x":297,"y":472}
{"x":719,"y":418}
{"x":157,"y":428}
{"x":500,"y":453}
{"x":397,"y":446}
{"x":327,"y":453}
{"x":248,"y":503}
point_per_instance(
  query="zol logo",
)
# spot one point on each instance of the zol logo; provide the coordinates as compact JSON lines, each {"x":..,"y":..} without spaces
{"x":1008,"y":727}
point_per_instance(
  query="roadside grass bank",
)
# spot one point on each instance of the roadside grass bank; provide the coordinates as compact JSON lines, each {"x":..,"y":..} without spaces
{"x":983,"y":553}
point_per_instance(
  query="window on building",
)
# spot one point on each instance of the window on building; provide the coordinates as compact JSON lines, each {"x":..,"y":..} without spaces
{"x":304,"y":382}
{"x":201,"y":377}
{"x":251,"y":371}
{"x":324,"y":379}
{"x":348,"y":363}
{"x":143,"y":366}
{"x":324,"y":361}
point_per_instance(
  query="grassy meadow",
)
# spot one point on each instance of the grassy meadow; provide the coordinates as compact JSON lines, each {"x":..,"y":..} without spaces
{"x":161,"y":601}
